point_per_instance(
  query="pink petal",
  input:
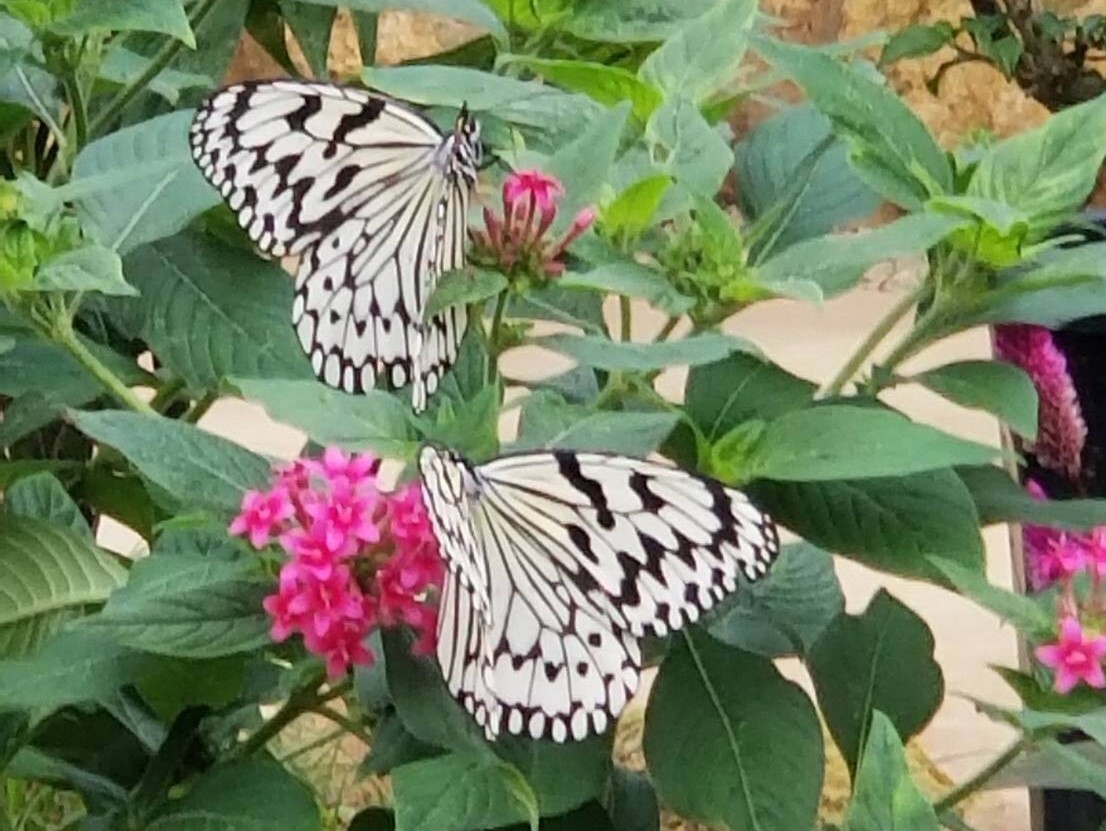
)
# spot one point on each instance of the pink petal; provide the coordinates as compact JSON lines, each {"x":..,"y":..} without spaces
{"x":1094,"y":677}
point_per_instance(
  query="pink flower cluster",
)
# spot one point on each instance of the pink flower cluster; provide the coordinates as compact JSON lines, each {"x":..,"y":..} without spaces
{"x":358,"y":558}
{"x":1056,"y":558}
{"x":1061,"y":431}
{"x":519,"y":240}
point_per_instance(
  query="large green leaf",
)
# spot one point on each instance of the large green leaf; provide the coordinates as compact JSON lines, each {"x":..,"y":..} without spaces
{"x":42,"y":496}
{"x":631,"y":279}
{"x":311,"y":24}
{"x":694,"y":62}
{"x":195,"y":467}
{"x":467,"y":791}
{"x":601,"y":353}
{"x":1031,"y":615}
{"x":730,"y":742}
{"x":248,"y":795}
{"x":889,"y":146}
{"x":139,"y":184}
{"x":694,"y":153}
{"x":122,"y":66}
{"x":548,"y":421}
{"x":880,"y":660}
{"x":837,"y":261}
{"x":631,"y":801}
{"x":828,"y":195}
{"x":373,"y":420}
{"x":787,"y":611}
{"x":891,"y":524}
{"x":997,"y":387}
{"x":583,"y":164}
{"x":71,"y":668}
{"x":1049,"y":170}
{"x":209,"y":311}
{"x":469,"y":11}
{"x":88,"y":268}
{"x":998,"y":498}
{"x":822,"y":443}
{"x":165,"y":16}
{"x":629,"y":21}
{"x":48,"y":573}
{"x":722,"y":395}
{"x":464,"y":286}
{"x":885,"y":798}
{"x":608,"y":85}
{"x":188,"y":606}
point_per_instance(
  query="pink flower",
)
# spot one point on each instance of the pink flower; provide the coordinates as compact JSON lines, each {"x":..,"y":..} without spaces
{"x":344,"y":516}
{"x":1061,"y":431}
{"x":343,"y":646}
{"x":532,"y":186}
{"x":1074,"y":657}
{"x":294,"y":477}
{"x":519,"y":241}
{"x":262,"y":515}
{"x":284,"y":609}
{"x":340,"y":469}
{"x":407,"y":518}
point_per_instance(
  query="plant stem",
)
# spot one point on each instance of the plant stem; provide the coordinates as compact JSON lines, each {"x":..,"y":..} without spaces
{"x":343,"y":721}
{"x":625,"y":318}
{"x":60,"y":330}
{"x":493,"y":335}
{"x":166,"y":393}
{"x":863,"y":352}
{"x":79,"y":107}
{"x":157,"y":63}
{"x":200,"y":408}
{"x":668,"y":328}
{"x":974,"y":783}
{"x":298,"y":703}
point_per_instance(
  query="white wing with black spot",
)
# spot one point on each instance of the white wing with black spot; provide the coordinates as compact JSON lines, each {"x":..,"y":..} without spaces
{"x":371,"y":196}
{"x":558,"y":562}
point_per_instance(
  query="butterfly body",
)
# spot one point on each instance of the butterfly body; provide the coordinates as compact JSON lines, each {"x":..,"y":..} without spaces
{"x":559,"y":562}
{"x":371,"y":197}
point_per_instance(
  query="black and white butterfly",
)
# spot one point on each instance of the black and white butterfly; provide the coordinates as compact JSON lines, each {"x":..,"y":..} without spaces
{"x":558,"y":562}
{"x":372,"y":197}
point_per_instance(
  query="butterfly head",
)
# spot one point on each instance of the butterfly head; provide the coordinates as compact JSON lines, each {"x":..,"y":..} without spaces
{"x":467,"y":148}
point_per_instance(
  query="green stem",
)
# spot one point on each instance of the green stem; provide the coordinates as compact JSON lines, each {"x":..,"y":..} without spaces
{"x":668,"y":328}
{"x":79,"y":107}
{"x":863,"y":352}
{"x":166,"y":393}
{"x":298,"y":703}
{"x":345,"y":722}
{"x":626,"y":319}
{"x":493,"y":335}
{"x":974,"y":783}
{"x":157,"y":63}
{"x":60,"y":330}
{"x":314,"y":744}
{"x":200,"y":408}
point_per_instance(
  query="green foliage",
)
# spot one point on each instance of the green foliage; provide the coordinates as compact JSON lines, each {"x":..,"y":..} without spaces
{"x":138,"y":684}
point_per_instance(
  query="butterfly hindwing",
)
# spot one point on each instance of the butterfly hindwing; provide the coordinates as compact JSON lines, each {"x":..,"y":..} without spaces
{"x":571,"y":557}
{"x":371,"y":196}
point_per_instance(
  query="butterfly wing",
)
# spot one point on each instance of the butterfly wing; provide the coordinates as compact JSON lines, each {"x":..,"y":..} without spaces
{"x":361,"y":188}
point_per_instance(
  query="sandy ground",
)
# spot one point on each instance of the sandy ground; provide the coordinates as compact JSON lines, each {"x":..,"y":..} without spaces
{"x":813,"y":342}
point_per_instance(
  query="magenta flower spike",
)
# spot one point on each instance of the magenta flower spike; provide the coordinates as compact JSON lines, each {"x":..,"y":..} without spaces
{"x":1074,"y":657}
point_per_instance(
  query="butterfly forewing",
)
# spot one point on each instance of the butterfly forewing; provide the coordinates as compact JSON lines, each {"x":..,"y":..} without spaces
{"x":577,"y":555}
{"x":371,"y":196}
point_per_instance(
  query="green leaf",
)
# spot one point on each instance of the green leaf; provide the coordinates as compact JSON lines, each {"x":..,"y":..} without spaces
{"x":393,"y":746}
{"x":722,"y":395}
{"x":694,"y":62}
{"x":889,"y":146}
{"x":467,"y":11}
{"x":730,"y":742}
{"x":71,"y":668}
{"x":891,"y":524}
{"x":461,"y":287}
{"x":139,"y":184}
{"x":917,"y":41}
{"x":121,"y":66}
{"x":548,"y":421}
{"x":1026,"y":613}
{"x":631,"y":801}
{"x":837,"y":261}
{"x":880,"y":660}
{"x":583,"y":164}
{"x":469,"y":427}
{"x":787,"y":611}
{"x":372,"y":819}
{"x":574,"y":308}
{"x":577,"y":385}
{"x":523,"y":103}
{"x":37,"y":365}
{"x":998,"y":498}
{"x":630,"y":279}
{"x":777,"y":151}
{"x":373,"y":421}
{"x":199,"y":469}
{"x":996,"y":387}
{"x":188,"y":606}
{"x":206,"y":326}
{"x":165,"y":16}
{"x":311,"y":24}
{"x":89,"y":268}
{"x":885,"y":798}
{"x":560,"y":776}
{"x":601,"y":353}
{"x":48,"y":574}
{"x":1050,"y":169}
{"x":41,"y":496}
{"x":607,"y":85}
{"x":248,"y":795}
{"x":687,"y":147}
{"x":632,"y":21}
{"x":632,"y":211}
{"x":459,"y":792}
{"x":422,"y":700}
{"x":821,"y":444}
